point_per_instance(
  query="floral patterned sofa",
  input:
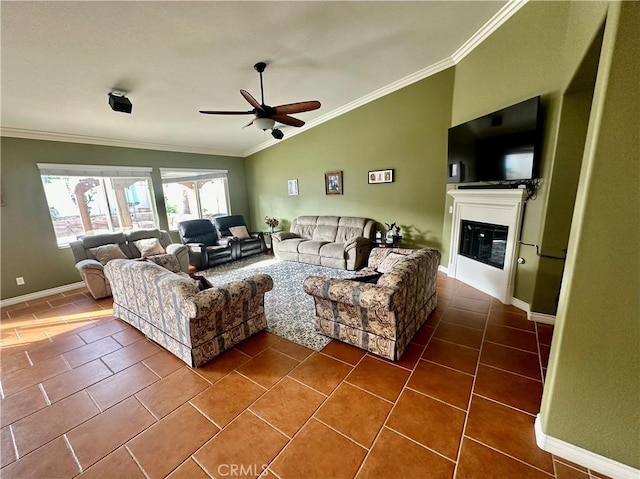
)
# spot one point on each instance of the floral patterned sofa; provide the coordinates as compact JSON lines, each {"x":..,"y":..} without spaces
{"x":168,"y":307}
{"x":381,"y":316}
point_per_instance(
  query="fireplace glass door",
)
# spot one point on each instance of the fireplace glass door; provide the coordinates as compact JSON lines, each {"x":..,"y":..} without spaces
{"x":484,"y":242}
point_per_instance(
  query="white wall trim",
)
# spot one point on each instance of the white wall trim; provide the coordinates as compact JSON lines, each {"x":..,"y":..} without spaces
{"x":581,"y":456}
{"x":504,"y":14}
{"x":518,"y":303}
{"x":40,"y":294}
{"x":95,"y":140}
{"x":392,"y":87}
{"x":541,"y":317}
{"x":444,"y":269}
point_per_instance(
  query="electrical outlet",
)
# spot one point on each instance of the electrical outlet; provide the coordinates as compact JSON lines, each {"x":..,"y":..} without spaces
{"x":20,"y":281}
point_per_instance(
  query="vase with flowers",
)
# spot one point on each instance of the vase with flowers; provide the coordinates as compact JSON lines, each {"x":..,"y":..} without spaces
{"x":271,"y":223}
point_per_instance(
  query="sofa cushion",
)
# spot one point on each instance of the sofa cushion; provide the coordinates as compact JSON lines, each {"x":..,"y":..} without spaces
{"x":389,"y":262}
{"x":333,"y":250}
{"x":311,"y":247}
{"x":239,"y":232}
{"x":350,"y":227}
{"x":107,"y":252}
{"x":325,"y":233}
{"x":149,"y":246}
{"x":291,"y":245}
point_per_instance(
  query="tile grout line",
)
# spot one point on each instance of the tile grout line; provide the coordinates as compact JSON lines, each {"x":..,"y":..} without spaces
{"x":13,"y":442}
{"x":493,"y":448}
{"x":473,"y":386}
{"x":423,"y":446}
{"x":511,"y":372}
{"x":436,"y":399}
{"x":395,"y":403}
{"x":45,"y":395}
{"x":304,"y":424}
{"x":135,"y":459}
{"x":73,"y":453}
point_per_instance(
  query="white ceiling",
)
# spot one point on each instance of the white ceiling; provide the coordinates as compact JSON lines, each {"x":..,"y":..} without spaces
{"x":61,"y":59}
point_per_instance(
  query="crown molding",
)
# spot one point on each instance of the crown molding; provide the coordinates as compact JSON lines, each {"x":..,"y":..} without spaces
{"x":392,"y":87}
{"x":504,"y":14}
{"x":96,"y":140}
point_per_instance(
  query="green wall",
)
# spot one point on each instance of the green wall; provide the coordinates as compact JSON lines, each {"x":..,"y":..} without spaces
{"x":406,"y":131}
{"x":592,"y":395}
{"x":535,"y":53}
{"x":28,"y":244}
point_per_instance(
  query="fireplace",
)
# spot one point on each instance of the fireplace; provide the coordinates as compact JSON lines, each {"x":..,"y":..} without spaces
{"x":484,"y":242}
{"x":484,"y":239}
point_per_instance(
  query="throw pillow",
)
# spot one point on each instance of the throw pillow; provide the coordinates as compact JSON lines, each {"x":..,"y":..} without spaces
{"x":239,"y":232}
{"x":202,"y":282}
{"x":389,"y":262}
{"x":149,"y":246}
{"x":107,"y":252}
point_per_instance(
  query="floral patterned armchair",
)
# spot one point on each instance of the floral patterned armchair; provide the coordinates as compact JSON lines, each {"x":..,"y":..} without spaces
{"x":381,"y":317}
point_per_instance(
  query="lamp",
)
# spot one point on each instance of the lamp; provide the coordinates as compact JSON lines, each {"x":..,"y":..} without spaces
{"x":264,"y":123}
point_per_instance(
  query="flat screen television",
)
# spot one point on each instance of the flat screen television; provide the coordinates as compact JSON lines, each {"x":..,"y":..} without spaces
{"x":503,"y":146}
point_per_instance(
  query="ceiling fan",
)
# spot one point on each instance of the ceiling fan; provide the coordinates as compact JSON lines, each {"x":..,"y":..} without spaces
{"x":266,"y":116}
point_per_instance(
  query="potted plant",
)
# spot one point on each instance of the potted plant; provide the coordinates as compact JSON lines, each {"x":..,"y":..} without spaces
{"x":393,"y":233}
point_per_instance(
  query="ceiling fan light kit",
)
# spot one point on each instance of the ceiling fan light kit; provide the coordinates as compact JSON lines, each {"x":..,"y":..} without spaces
{"x":266,"y":116}
{"x":264,"y":123}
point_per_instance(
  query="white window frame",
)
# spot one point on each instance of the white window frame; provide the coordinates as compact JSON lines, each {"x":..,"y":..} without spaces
{"x":101,"y":172}
{"x":178,"y":175}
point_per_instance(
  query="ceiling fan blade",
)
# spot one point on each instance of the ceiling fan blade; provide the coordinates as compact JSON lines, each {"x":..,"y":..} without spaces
{"x":252,"y":101}
{"x":287,"y":120}
{"x":296,"y":107}
{"x":248,"y":124}
{"x":213,"y":112}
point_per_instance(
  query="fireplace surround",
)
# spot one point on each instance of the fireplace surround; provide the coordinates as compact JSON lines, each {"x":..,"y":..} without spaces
{"x":484,"y":239}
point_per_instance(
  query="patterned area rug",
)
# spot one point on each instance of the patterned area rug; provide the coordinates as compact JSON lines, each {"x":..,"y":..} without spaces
{"x":289,"y":310}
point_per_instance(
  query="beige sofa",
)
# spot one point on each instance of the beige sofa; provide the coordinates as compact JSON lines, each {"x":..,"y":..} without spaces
{"x":342,"y":242}
{"x":91,"y":253}
{"x":169,"y":308}
{"x":381,"y":317}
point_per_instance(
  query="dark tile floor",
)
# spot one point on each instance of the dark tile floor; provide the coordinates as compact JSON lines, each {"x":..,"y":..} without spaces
{"x":84,"y":394}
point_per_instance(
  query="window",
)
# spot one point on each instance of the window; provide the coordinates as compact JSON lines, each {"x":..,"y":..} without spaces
{"x":86,"y":200}
{"x":191,"y":194}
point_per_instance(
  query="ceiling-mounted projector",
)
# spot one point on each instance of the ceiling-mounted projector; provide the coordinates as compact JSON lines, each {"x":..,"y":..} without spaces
{"x":119,"y":102}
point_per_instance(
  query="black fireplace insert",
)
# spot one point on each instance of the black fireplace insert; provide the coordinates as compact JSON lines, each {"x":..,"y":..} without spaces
{"x":484,"y":242}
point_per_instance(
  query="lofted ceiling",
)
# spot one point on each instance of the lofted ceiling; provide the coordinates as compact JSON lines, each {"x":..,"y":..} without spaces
{"x":61,"y":59}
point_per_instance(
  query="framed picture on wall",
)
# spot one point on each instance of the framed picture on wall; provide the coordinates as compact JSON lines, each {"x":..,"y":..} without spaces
{"x":292,"y":186}
{"x":380,"y":176}
{"x":333,"y":182}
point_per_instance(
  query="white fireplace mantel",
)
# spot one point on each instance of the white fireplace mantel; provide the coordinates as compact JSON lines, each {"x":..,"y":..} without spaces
{"x":496,"y":206}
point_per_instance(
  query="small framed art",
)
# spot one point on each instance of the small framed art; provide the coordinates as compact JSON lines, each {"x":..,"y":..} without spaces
{"x":333,"y":182}
{"x":292,"y":186}
{"x":380,"y":176}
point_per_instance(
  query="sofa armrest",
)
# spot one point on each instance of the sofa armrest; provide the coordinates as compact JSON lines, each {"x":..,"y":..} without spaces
{"x":364,"y":295}
{"x":215,"y":299}
{"x":357,"y":242}
{"x":283,"y":235}
{"x":181,"y":252}
{"x":87,"y":264}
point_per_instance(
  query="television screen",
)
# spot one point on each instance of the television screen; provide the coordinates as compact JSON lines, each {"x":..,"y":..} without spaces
{"x":501,"y":146}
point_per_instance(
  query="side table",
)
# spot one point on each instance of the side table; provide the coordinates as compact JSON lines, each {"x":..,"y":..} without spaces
{"x":267,"y":234}
{"x":383,"y":244}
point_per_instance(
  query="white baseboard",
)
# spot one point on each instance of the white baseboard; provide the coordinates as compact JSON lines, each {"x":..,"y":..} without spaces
{"x":444,"y":269}
{"x":541,"y":317}
{"x":40,"y":294}
{"x":518,"y":303}
{"x":581,"y":456}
